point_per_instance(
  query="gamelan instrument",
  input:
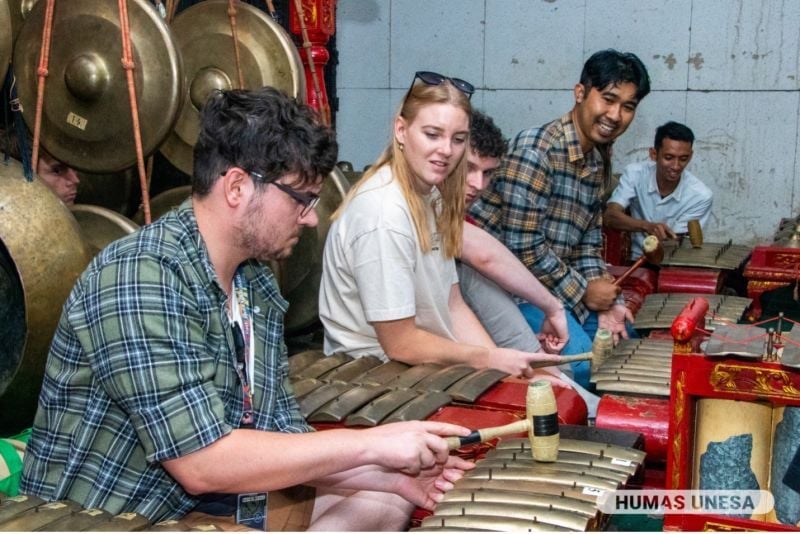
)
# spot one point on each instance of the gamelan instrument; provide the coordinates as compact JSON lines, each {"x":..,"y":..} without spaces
{"x":734,"y":424}
{"x":636,"y":366}
{"x":203,"y":35}
{"x":774,"y":265}
{"x":26,"y":513}
{"x":508,"y":490}
{"x":660,"y":309}
{"x":725,"y":256}
{"x":86,"y":120}
{"x":367,"y":392}
{"x":42,"y":252}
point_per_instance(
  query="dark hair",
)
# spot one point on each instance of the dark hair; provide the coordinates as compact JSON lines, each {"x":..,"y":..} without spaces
{"x":485,"y":138}
{"x":611,"y":67}
{"x":675,"y":131}
{"x":261,"y":130}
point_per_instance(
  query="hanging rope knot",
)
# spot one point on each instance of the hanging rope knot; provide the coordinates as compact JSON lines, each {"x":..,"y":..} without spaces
{"x":42,"y":71}
{"x":232,"y":12}
{"x":128,"y":64}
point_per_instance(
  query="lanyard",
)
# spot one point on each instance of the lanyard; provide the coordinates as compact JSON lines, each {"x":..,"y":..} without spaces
{"x":242,"y":342}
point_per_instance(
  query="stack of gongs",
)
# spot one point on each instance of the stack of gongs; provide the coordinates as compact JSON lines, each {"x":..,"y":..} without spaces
{"x":86,"y":123}
{"x":86,"y":118}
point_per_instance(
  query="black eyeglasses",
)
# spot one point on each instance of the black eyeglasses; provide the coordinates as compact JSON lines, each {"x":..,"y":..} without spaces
{"x":434,"y":78}
{"x":309,"y":201}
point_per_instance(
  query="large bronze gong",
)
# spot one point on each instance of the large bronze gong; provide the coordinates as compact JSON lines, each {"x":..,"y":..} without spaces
{"x":203,"y":36}
{"x":19,"y":10}
{"x":42,"y":252}
{"x":299,"y":275}
{"x":5,"y":38}
{"x":101,"y":226}
{"x":86,"y":120}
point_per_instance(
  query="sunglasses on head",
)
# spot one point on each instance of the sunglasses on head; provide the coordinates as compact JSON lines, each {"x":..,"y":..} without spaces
{"x":434,"y":78}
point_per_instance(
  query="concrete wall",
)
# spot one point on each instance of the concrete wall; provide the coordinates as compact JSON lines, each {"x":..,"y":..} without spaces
{"x":727,"y":68}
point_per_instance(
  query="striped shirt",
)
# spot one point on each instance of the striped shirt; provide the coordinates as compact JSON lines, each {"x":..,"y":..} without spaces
{"x":141,"y":370}
{"x":545,"y":203}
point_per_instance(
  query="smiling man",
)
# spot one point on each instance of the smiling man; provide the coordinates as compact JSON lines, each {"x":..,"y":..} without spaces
{"x":661,"y":194}
{"x":545,"y":202}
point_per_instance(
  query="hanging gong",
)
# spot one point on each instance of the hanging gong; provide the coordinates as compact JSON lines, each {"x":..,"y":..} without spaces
{"x":86,"y":120}
{"x":19,"y":10}
{"x":164,"y":202}
{"x":203,"y":35}
{"x":5,"y":38}
{"x":300,"y":274}
{"x":101,"y":226}
{"x":42,"y":252}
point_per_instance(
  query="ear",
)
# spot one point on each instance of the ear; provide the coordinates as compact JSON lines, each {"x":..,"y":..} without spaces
{"x":400,"y":129}
{"x":236,"y":186}
{"x":653,"y":154}
{"x":580,"y":93}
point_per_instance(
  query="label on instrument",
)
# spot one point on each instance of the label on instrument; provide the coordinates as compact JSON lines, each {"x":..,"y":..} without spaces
{"x":251,"y":510}
{"x":597,"y":492}
{"x":76,"y":121}
{"x":621,"y":461}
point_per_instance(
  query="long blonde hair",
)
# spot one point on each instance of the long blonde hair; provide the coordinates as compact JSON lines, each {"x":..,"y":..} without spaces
{"x":450,"y":214}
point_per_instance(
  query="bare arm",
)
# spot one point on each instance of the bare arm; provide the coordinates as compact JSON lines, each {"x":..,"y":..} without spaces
{"x":403,"y":340}
{"x":492,"y":259}
{"x":253,"y":460}
{"x":615,"y":217}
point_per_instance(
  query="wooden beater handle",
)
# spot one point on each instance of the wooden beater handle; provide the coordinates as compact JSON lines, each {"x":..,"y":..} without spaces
{"x":485,"y":434}
{"x":638,"y":263}
{"x":564,"y":359}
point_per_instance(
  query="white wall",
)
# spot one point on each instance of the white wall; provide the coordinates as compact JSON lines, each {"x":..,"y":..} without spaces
{"x":726,"y":68}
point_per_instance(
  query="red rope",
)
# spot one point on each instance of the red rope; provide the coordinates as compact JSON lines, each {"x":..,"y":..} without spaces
{"x":44,"y":58}
{"x":235,"y":36}
{"x":128,"y":65}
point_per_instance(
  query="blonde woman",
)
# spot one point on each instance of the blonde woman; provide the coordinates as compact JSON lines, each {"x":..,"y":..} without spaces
{"x":389,"y":285}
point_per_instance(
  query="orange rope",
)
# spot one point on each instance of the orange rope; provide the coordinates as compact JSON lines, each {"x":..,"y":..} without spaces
{"x":172,"y":6}
{"x":325,"y":111}
{"x":235,"y":36}
{"x":128,"y":65}
{"x":44,"y":58}
{"x":271,"y":8}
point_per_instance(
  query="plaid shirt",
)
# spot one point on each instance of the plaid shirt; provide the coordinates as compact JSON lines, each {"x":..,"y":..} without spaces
{"x":545,"y":204}
{"x":141,"y":371}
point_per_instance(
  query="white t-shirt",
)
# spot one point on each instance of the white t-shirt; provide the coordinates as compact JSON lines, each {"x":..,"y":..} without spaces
{"x":374,"y":270}
{"x":638,"y":189}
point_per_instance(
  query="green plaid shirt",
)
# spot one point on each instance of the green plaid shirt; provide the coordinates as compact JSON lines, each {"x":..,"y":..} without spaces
{"x":545,"y":204}
{"x":141,"y":371}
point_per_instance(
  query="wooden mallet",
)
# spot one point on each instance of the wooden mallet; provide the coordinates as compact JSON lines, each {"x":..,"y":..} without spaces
{"x":541,"y":424}
{"x":652,"y":252}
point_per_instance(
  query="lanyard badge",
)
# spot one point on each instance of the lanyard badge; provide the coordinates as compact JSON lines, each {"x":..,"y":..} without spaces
{"x":251,"y":510}
{"x":242,"y":344}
